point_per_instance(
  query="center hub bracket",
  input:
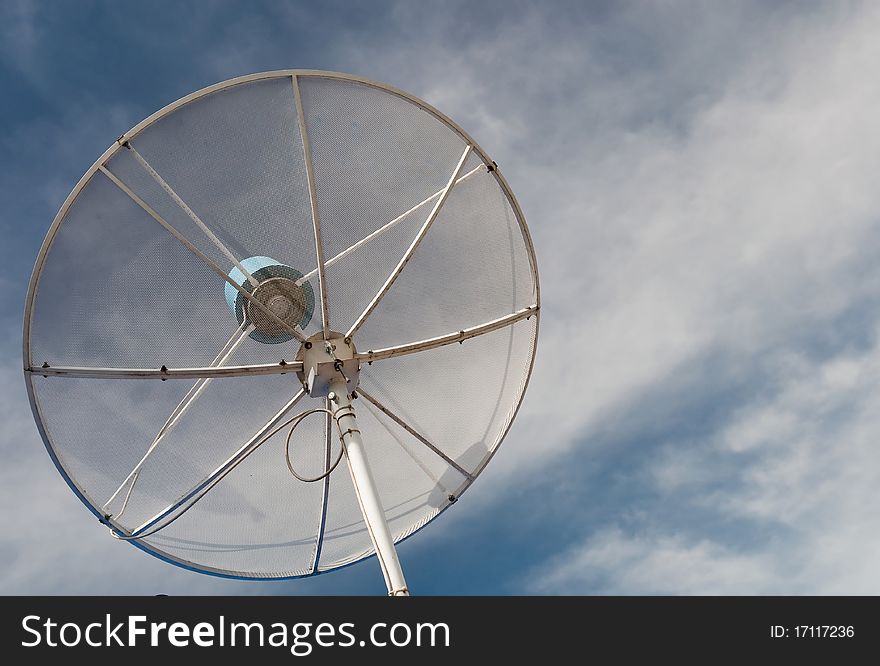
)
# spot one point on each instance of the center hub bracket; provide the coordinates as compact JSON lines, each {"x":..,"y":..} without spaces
{"x":326,"y":361}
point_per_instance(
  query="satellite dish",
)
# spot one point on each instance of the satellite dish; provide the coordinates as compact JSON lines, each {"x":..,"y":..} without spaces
{"x":258,"y":254}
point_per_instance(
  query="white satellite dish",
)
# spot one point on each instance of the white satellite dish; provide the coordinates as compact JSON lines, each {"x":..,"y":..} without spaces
{"x":287,"y":240}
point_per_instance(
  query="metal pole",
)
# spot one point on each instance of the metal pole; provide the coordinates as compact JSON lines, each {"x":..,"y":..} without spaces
{"x":365,"y":489}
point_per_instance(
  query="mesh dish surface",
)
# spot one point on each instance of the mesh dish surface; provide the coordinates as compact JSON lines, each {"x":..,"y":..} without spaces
{"x":113,"y":289}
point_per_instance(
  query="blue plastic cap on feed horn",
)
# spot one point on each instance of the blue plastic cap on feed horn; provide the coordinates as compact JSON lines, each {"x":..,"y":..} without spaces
{"x":264,"y":269}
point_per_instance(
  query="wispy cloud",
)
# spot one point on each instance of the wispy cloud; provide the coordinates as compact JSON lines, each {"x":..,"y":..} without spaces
{"x":19,"y":32}
{"x":744,"y":257}
{"x":788,"y":481}
{"x":613,"y":562}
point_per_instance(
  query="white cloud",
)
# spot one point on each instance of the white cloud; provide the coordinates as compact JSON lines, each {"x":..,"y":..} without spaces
{"x":612,"y":562}
{"x":738,"y":236}
{"x":803,"y":487}
{"x":734,"y":232}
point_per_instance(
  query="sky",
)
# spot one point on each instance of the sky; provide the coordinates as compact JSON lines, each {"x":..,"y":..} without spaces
{"x":700,"y":182}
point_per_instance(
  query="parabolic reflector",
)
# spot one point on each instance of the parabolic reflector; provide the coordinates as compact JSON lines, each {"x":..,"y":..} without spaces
{"x":195,"y":263}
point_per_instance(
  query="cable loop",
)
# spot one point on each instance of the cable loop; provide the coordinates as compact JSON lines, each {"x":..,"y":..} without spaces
{"x":297,"y":421}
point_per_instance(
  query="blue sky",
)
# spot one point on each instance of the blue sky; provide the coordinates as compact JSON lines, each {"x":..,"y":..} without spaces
{"x":700,"y":181}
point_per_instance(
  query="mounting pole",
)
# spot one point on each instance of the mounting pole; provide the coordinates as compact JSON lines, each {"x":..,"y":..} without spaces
{"x":365,"y":489}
